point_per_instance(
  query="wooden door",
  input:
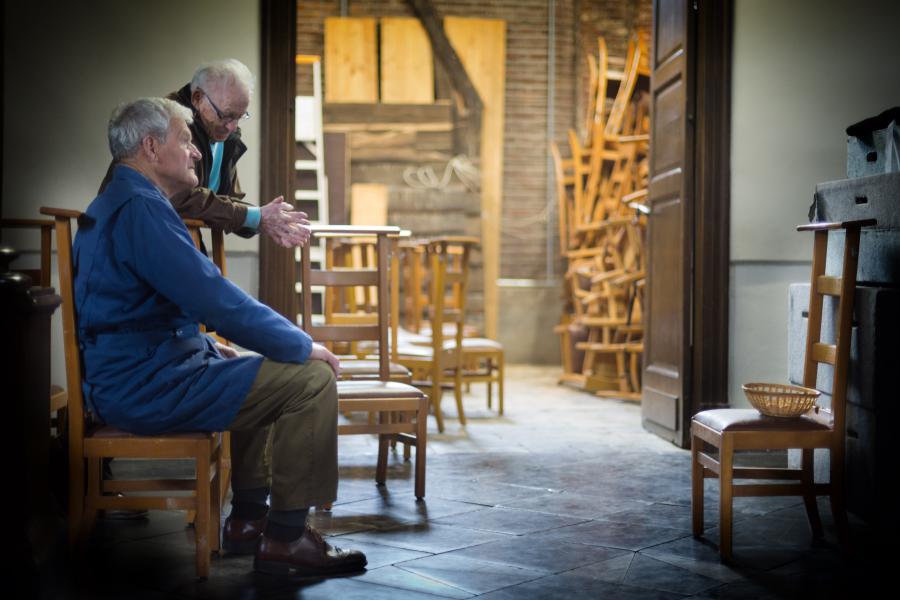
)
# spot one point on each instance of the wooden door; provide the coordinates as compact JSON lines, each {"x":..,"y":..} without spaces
{"x":666,"y":405}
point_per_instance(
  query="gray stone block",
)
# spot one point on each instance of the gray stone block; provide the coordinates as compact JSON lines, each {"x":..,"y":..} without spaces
{"x":875,"y":197}
{"x":866,"y":156}
{"x":874,"y":357}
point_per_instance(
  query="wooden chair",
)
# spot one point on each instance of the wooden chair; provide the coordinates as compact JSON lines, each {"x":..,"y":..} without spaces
{"x":450,"y":356}
{"x":344,"y":306}
{"x":90,"y":443}
{"x":41,"y":277}
{"x":732,"y":430}
{"x":402,"y":408}
{"x":195,"y":228}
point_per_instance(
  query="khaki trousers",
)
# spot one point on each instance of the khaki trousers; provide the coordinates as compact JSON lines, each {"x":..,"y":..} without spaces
{"x":289,"y":418}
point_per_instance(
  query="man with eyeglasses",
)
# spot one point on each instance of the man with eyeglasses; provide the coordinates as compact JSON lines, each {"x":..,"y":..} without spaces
{"x":218,"y":96}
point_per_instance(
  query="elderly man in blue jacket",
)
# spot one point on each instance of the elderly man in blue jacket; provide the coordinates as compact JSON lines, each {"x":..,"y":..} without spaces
{"x":141,"y":290}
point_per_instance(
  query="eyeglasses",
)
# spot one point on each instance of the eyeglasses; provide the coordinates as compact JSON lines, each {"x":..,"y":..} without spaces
{"x":226,"y":119}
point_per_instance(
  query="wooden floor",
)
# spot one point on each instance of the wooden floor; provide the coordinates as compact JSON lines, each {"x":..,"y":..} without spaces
{"x":564,"y":497}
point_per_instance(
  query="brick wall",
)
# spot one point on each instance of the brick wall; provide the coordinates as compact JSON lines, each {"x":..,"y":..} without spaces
{"x":525,"y":207}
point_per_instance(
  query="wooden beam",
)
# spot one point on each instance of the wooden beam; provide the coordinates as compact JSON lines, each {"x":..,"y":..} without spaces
{"x":445,"y":53}
{"x":334,"y":113}
{"x":481,"y":44}
{"x":279,"y":40}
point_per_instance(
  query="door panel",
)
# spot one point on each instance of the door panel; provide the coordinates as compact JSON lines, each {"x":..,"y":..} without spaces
{"x":665,"y":405}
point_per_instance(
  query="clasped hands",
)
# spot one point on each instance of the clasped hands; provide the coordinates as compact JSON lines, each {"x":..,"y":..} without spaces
{"x":319,"y":352}
{"x":286,"y":226}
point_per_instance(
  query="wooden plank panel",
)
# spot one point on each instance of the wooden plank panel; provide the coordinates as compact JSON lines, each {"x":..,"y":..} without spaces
{"x":351,"y":73}
{"x":438,"y":114}
{"x":368,"y":204}
{"x":407,"y":65}
{"x":481,"y":46}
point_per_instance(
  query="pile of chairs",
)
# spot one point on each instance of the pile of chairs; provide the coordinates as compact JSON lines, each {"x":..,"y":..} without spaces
{"x":601,"y":189}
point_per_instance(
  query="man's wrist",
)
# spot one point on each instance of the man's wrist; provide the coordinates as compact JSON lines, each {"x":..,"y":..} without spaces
{"x":251,"y":221}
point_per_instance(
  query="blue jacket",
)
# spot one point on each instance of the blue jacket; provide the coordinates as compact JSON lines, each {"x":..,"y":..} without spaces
{"x":141,"y":289}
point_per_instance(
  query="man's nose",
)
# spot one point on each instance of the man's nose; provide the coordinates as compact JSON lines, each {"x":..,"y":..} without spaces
{"x":195,"y":153}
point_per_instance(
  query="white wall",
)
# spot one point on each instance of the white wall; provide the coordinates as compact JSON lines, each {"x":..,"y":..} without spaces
{"x":803,"y":71}
{"x":68,"y":64}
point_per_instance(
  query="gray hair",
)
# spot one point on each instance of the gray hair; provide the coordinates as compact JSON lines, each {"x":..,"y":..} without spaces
{"x":131,"y":122}
{"x":225,"y":72}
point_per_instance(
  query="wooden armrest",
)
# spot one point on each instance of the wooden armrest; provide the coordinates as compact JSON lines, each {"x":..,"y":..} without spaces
{"x":25,"y":223}
{"x":837,"y":225}
{"x":60,"y":212}
{"x":354,"y":230}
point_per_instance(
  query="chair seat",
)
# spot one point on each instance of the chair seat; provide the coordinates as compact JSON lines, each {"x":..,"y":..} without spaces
{"x":109,"y":432}
{"x":750,"y":419}
{"x":366,"y":367}
{"x":362,"y":390}
{"x":481,"y":344}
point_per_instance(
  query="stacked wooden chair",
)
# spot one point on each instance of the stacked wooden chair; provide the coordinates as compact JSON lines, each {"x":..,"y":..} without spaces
{"x":600,"y":188}
{"x":401,"y":409}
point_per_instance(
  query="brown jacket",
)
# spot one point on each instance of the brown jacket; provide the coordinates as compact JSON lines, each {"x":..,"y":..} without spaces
{"x":225,"y":209}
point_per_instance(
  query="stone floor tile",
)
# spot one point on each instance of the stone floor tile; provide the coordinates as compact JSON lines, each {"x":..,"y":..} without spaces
{"x":646,"y":572}
{"x":509,"y":520}
{"x":427,"y":537}
{"x":626,"y":536}
{"x":576,"y":587}
{"x":471,"y":575}
{"x":392,"y":511}
{"x":394,"y":577}
{"x":541,"y":554}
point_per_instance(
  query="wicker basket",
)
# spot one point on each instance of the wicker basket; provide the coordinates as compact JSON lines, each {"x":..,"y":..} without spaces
{"x":780,"y":400}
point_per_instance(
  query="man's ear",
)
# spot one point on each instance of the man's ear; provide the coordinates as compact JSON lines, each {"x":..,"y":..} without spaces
{"x":196,"y":98}
{"x":150,"y":147}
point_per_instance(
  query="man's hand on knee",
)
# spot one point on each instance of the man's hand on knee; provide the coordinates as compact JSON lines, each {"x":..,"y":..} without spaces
{"x":320,"y":352}
{"x":226,"y":351}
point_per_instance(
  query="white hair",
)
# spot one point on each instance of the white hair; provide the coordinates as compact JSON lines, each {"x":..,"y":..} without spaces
{"x":225,"y":72}
{"x":131,"y":122}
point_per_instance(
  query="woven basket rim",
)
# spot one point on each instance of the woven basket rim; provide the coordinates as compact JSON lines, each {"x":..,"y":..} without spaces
{"x":786,"y":389}
{"x":783,"y":400}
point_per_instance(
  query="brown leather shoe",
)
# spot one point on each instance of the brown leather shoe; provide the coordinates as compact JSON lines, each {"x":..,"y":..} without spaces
{"x":242,"y":537}
{"x":309,"y":555}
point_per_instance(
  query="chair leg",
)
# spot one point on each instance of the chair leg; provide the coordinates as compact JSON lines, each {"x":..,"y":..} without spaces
{"x":383,"y":442}
{"x":94,"y":491}
{"x":696,"y":487}
{"x":435,"y":397}
{"x":809,"y":495}
{"x":202,"y":523}
{"x":458,"y":395}
{"x":76,"y":497}
{"x":726,"y":463}
{"x":838,"y":507}
{"x":490,"y":369}
{"x":216,"y":499}
{"x":421,"y":438}
{"x":225,"y":459}
{"x":500,"y":383}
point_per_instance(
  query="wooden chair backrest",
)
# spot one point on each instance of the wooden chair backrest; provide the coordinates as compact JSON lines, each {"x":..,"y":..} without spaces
{"x":329,"y":277}
{"x":843,"y":288}
{"x":41,"y":275}
{"x":448,"y":259}
{"x":76,"y":417}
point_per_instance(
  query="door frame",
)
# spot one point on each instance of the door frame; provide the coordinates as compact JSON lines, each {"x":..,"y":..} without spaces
{"x":712,"y":208}
{"x":277,"y":266}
